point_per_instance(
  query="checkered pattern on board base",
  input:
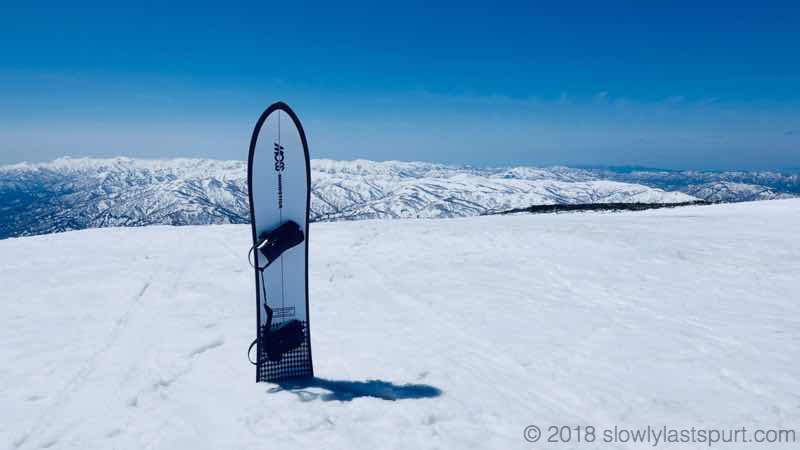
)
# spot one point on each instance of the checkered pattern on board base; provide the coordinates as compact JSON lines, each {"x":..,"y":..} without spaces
{"x":296,"y":363}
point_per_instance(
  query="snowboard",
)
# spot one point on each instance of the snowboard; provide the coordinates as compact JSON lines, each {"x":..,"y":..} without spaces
{"x":278,"y":181}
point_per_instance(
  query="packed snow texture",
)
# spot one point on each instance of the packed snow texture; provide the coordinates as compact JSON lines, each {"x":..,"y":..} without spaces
{"x":451,"y":333}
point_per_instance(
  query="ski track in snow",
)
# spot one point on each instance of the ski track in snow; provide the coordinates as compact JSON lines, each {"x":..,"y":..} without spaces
{"x":136,"y":338}
{"x":79,"y":379}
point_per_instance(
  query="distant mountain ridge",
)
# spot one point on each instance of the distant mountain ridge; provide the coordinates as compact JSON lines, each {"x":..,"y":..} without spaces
{"x":68,"y":194}
{"x":714,"y":186}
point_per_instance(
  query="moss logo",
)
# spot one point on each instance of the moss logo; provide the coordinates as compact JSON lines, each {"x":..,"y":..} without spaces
{"x":279,"y":166}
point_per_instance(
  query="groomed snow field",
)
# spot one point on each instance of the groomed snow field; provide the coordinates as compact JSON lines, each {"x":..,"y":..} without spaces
{"x":453,"y":333}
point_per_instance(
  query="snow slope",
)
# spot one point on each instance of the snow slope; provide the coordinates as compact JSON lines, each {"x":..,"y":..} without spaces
{"x":135,"y":338}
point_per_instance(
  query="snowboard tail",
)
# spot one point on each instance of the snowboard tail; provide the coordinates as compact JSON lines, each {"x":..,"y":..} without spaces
{"x":279,"y":188}
{"x":291,"y":364}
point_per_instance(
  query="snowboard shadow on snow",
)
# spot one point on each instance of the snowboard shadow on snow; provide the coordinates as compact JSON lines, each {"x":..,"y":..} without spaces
{"x":306,"y":390}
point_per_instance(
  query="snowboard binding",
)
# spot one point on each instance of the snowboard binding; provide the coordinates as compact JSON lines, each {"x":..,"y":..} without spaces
{"x":272,"y":244}
{"x":282,"y":338}
{"x":279,"y":339}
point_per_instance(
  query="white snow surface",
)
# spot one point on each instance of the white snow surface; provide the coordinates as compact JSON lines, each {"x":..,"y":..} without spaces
{"x":135,"y":338}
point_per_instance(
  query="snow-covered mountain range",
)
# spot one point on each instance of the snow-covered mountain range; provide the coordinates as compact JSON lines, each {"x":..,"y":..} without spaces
{"x":68,"y":194}
{"x":713,"y":186}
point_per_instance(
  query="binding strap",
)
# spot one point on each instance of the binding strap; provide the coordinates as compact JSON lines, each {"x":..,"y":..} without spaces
{"x":282,"y":339}
{"x":274,"y":243}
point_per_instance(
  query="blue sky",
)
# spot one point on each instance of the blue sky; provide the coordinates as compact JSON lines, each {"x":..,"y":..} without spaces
{"x":678,"y":85}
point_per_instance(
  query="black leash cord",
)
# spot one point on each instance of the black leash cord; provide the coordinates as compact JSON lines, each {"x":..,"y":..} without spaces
{"x":268,"y":326}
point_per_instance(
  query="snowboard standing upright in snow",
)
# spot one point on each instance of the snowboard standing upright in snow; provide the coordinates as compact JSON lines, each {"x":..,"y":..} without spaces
{"x":278,"y":181}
